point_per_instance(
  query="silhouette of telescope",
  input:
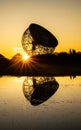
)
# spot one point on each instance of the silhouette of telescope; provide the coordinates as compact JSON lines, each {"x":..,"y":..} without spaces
{"x":38,"y":93}
{"x":42,"y":36}
{"x":38,"y":40}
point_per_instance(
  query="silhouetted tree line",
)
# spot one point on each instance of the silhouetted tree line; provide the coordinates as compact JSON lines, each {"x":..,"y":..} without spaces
{"x":16,"y":66}
{"x":60,"y":58}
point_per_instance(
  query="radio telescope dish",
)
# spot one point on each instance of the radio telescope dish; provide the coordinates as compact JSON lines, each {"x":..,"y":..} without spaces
{"x":39,"y":89}
{"x":38,"y":40}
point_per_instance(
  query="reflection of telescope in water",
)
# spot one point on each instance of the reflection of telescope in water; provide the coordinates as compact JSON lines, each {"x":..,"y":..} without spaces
{"x":39,"y":89}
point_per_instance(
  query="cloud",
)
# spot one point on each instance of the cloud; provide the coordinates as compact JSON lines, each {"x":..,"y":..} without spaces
{"x":16,"y":49}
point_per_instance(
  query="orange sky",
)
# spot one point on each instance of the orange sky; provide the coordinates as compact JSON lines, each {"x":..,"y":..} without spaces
{"x":61,"y":17}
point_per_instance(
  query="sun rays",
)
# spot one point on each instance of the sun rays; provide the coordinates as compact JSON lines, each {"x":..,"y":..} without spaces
{"x":22,"y":64}
{"x":25,"y":57}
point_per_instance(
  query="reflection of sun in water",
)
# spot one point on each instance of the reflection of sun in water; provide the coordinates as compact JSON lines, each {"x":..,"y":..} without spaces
{"x":25,"y":57}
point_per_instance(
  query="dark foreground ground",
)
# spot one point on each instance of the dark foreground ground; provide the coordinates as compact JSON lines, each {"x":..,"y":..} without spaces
{"x":61,"y":64}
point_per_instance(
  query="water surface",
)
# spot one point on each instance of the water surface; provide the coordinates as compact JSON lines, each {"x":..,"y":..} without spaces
{"x":56,"y":103}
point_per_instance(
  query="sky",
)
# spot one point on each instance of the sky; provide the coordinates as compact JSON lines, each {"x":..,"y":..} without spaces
{"x":61,"y":17}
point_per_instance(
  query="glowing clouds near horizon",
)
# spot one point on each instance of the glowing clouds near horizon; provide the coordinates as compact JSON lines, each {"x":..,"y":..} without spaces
{"x":38,"y":40}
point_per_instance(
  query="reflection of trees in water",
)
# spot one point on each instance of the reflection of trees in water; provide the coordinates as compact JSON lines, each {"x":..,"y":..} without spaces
{"x":39,"y":89}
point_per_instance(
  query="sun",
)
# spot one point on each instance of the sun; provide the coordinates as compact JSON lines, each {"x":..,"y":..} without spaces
{"x":25,"y":57}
